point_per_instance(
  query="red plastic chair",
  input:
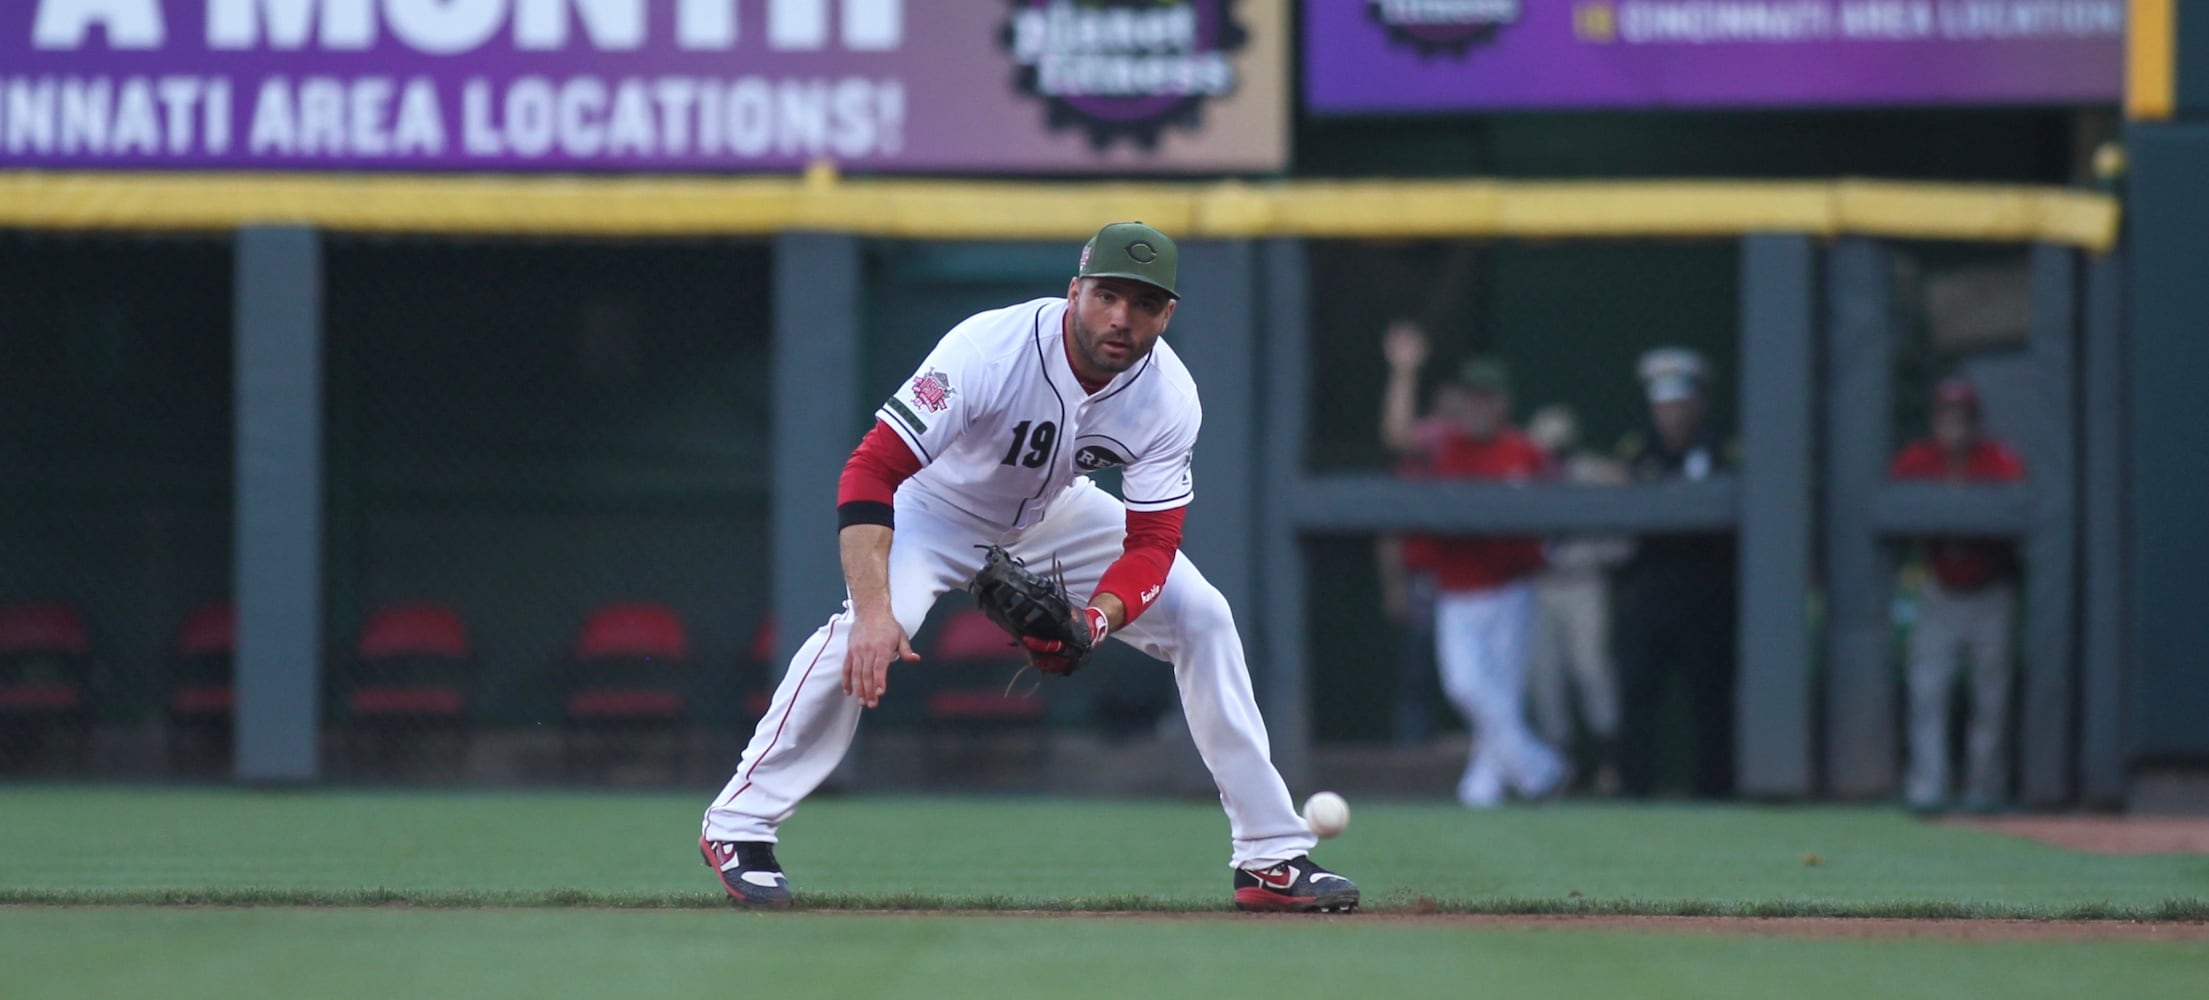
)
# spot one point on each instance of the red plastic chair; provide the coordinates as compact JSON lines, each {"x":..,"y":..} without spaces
{"x":970,"y":643}
{"x":206,"y":646}
{"x":630,"y":663}
{"x":640,"y":630}
{"x":969,"y":636}
{"x":44,"y":627}
{"x":202,"y":696}
{"x":411,"y":667}
{"x":414,"y":630}
{"x":970,"y":706}
{"x":45,"y":679}
{"x":212,"y":630}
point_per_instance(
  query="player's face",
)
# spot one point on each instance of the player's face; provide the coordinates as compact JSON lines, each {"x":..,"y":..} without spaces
{"x":1485,"y":413}
{"x":1451,"y":401}
{"x":1113,"y":323}
{"x":1955,"y":427}
{"x":1678,"y":421}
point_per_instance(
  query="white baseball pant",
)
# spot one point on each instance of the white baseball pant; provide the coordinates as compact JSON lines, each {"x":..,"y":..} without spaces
{"x":1480,"y":643}
{"x":1951,"y":624}
{"x":809,"y":726}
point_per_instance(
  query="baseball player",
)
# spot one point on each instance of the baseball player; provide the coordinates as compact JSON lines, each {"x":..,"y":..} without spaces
{"x":987,"y":443}
{"x":1968,"y":605}
{"x":1484,"y":605}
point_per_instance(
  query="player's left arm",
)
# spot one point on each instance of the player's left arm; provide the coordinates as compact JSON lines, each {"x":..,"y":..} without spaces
{"x":1157,"y":489}
{"x":1129,"y":586}
{"x":1135,"y":580}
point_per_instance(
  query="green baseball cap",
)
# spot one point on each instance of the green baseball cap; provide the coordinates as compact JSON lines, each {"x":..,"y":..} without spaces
{"x":1133,"y":251}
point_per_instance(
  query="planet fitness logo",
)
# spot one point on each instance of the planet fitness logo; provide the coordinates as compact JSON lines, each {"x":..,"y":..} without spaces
{"x":1124,"y":69}
{"x":1435,"y":27}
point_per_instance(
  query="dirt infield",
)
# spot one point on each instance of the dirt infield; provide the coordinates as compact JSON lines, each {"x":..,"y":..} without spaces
{"x":2104,"y":834}
{"x":1832,"y":928}
{"x":1824,"y":928}
{"x":1840,"y":927}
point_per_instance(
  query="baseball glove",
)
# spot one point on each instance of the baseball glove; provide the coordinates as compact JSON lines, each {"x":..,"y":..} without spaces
{"x":1036,"y":610}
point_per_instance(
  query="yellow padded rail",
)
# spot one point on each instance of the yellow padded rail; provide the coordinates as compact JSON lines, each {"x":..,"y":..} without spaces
{"x":819,"y":201}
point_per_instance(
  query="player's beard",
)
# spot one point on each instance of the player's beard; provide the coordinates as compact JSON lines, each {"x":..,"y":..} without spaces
{"x":1088,"y":345}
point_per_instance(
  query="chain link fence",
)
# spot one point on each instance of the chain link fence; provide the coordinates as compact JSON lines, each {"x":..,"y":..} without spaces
{"x":547,"y":513}
{"x":114,"y":492}
{"x":1569,"y":325}
{"x":547,"y":528}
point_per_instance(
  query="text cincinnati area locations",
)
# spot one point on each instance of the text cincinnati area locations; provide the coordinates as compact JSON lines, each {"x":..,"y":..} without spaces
{"x":376,"y":80}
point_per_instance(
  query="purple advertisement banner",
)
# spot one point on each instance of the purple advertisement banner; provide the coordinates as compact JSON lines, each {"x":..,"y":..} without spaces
{"x":1382,"y":56}
{"x":645,"y":85}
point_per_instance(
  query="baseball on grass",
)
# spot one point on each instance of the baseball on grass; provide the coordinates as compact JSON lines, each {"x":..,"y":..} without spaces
{"x":1326,"y":813}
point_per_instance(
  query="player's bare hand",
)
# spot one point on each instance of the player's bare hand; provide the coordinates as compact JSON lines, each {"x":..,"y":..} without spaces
{"x":876,"y":641}
{"x":1405,"y":345}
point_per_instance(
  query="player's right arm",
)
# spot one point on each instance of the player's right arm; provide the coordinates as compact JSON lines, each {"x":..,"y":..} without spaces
{"x":876,"y":637}
{"x":864,"y":506}
{"x":916,"y":424}
{"x":1406,"y":349}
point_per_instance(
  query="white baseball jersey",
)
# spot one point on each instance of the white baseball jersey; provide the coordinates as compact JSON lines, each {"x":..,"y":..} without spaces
{"x":1002,"y":426}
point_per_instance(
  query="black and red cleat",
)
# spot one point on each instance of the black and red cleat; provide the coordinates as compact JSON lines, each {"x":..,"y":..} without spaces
{"x":1294,"y":886}
{"x":749,"y":872}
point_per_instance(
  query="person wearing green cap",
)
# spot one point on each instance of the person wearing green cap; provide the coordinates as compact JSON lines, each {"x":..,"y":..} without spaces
{"x":990,"y":442}
{"x":1484,"y":600}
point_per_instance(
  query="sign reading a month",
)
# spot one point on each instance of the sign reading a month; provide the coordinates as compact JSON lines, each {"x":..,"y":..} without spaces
{"x":644,"y":85}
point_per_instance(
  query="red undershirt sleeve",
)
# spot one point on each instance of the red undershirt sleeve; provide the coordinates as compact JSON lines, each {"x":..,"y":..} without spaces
{"x":868,"y":487}
{"x":1145,"y":559}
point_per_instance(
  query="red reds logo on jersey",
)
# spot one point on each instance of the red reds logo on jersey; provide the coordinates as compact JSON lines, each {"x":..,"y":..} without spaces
{"x":932,"y":391}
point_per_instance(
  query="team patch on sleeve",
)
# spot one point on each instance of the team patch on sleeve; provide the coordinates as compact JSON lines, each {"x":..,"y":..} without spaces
{"x":929,"y":392}
{"x":932,"y":391}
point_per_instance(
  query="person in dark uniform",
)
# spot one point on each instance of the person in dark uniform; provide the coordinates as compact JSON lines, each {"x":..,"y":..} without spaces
{"x":1676,"y":596}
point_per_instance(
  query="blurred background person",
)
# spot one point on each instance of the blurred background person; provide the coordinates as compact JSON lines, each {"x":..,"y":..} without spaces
{"x":1676,"y":595}
{"x":1966,"y":606}
{"x":1572,"y":601}
{"x":1484,"y":603}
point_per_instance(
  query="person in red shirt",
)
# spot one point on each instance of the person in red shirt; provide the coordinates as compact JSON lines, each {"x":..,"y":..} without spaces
{"x":1968,"y":605}
{"x":1484,"y":602}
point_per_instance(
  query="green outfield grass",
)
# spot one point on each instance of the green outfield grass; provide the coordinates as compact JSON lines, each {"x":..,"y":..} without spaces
{"x":538,"y":954}
{"x":640,"y":850}
{"x":384,"y":877}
